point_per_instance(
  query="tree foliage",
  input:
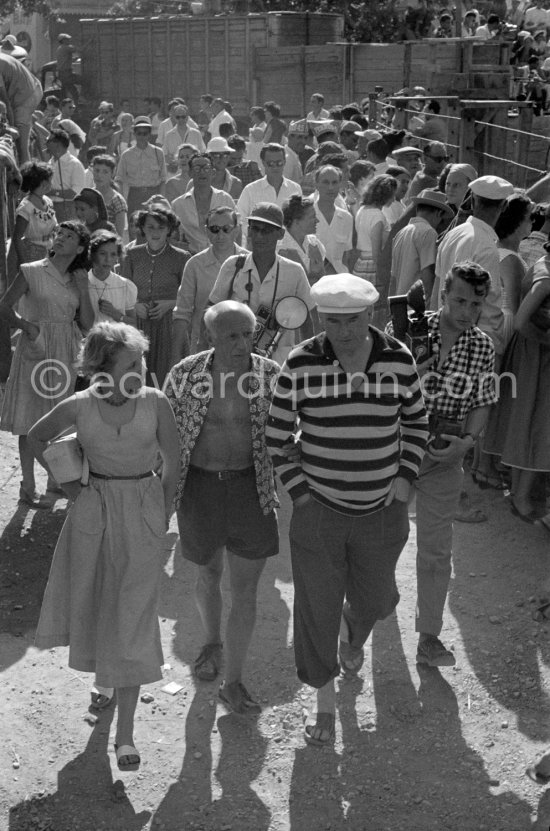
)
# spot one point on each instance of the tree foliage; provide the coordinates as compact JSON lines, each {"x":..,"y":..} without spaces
{"x":367,"y":22}
{"x":26,"y":7}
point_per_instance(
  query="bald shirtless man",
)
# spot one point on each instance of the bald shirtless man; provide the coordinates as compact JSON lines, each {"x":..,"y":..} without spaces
{"x":226,"y":495}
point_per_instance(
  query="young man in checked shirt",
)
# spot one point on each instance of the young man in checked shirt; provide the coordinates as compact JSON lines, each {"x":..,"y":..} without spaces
{"x":458,"y":389}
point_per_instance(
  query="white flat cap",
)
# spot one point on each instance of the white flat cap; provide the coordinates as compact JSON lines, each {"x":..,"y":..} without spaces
{"x":491,"y":187}
{"x":343,"y":294}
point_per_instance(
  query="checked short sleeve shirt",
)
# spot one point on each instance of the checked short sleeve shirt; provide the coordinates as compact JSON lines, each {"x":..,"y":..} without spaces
{"x":466,"y":379}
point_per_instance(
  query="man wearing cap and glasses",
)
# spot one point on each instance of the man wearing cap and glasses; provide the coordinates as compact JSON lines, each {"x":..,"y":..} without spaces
{"x":362,"y":442}
{"x":263,"y":277}
{"x":141,"y":171}
{"x":414,"y":248}
{"x":182,"y":133}
{"x":273,"y":187}
{"x":219,"y":151}
{"x":199,"y":276}
{"x":194,"y":205}
{"x":435,"y":158}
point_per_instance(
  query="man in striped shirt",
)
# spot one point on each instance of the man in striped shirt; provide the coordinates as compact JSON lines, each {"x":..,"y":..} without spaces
{"x":363,"y":428}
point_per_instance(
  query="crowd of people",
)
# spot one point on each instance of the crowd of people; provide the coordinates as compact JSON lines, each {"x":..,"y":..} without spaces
{"x":157,"y":295}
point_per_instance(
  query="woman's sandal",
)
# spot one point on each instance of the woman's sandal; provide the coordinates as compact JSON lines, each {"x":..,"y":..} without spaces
{"x":101,"y":697}
{"x":322,"y":724}
{"x":130,"y":754}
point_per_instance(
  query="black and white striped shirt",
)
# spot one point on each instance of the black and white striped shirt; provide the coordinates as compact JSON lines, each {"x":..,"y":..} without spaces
{"x":357,"y":432}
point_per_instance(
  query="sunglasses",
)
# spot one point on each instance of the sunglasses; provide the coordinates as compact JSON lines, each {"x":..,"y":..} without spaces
{"x":440,"y":158}
{"x":196,"y":168}
{"x":260,"y":228}
{"x":139,"y":132}
{"x":218,"y":155}
{"x":215,"y":229}
{"x":274,"y":164}
{"x":180,"y":117}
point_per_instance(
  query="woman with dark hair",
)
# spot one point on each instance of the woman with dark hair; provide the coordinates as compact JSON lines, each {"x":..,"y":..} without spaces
{"x":276,"y":128}
{"x":156,"y":268}
{"x":50,"y":293}
{"x":102,"y":593}
{"x":113,"y":297}
{"x":35,"y":219}
{"x":513,"y":225}
{"x":519,"y":426}
{"x":299,"y":242}
{"x":360,"y":174}
{"x":90,"y":209}
{"x":372,"y":232}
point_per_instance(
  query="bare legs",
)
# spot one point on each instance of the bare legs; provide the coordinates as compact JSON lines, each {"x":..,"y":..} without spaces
{"x":244,"y":576}
{"x":127,"y":698}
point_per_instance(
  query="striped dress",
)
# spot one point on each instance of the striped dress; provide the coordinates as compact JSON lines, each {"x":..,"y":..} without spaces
{"x":357,"y":433}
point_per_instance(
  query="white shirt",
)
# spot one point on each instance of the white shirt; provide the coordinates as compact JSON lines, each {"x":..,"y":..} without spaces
{"x":262,"y":191}
{"x":336,"y":237}
{"x":285,"y":278}
{"x":174,"y":139}
{"x":68,"y":174}
{"x":167,"y":125}
{"x":293,"y":167}
{"x":475,"y":240}
{"x":535,"y":18}
{"x":119,"y":291}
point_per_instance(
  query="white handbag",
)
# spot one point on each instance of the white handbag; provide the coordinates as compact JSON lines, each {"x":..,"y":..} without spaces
{"x":66,"y":460}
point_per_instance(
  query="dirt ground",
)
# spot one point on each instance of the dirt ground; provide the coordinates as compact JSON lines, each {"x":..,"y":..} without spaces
{"x":416,"y":749}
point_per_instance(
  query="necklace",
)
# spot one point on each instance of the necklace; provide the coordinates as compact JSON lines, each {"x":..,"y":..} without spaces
{"x":152,"y":254}
{"x":111,"y":402}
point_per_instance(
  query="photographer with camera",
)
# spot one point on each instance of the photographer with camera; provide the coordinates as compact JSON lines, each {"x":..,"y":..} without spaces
{"x":459,"y":388}
{"x":261,"y":278}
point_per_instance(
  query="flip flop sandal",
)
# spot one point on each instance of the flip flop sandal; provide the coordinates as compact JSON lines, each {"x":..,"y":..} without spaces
{"x":126,"y":751}
{"x":324,"y":723}
{"x":207,"y":664}
{"x":535,"y":776}
{"x":542,"y":613}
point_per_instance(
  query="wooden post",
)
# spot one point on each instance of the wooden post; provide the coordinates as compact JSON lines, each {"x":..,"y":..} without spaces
{"x":458,"y":18}
{"x":373,"y":110}
{"x":467,"y":137}
{"x":524,"y":142}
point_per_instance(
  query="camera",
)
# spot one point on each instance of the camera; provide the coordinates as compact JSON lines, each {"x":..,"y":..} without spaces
{"x":410,"y":321}
{"x":440,"y":426}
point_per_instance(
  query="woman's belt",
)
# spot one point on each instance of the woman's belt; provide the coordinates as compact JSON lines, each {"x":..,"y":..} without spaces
{"x":138,"y":476}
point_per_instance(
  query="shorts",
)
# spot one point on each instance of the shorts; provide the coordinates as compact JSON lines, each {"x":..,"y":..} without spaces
{"x":218,"y":512}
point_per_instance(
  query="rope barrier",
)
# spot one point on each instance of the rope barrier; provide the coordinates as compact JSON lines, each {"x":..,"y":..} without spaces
{"x":516,"y":164}
{"x":512,"y":130}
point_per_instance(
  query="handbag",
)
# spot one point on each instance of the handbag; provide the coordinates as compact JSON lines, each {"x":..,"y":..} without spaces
{"x":66,"y":460}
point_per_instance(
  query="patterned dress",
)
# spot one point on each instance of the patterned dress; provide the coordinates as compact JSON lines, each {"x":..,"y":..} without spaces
{"x":157,"y":277}
{"x":43,"y":371}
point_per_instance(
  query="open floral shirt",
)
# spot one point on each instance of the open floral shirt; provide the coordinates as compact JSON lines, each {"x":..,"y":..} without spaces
{"x":189,"y":389}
